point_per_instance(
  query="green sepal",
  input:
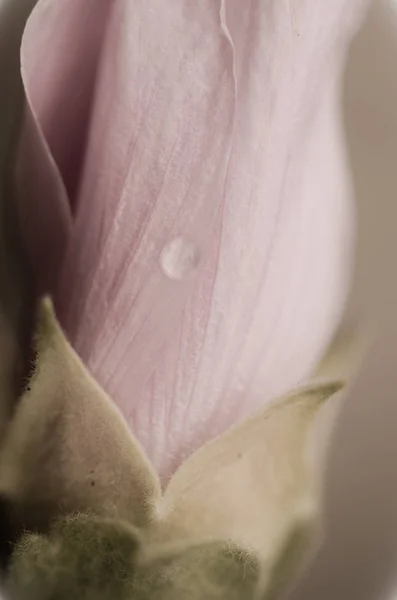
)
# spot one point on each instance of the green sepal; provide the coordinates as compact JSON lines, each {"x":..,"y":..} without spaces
{"x":67,"y":449}
{"x":236,"y":503}
{"x":93,"y":559}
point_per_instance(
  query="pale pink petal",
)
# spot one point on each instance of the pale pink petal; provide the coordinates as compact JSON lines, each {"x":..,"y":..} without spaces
{"x":275,"y":283}
{"x":59,"y":79}
{"x":155,"y":169}
{"x":210,"y":251}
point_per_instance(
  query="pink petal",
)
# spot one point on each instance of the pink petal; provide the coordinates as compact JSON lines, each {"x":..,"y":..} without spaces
{"x":59,"y":79}
{"x":209,"y":256}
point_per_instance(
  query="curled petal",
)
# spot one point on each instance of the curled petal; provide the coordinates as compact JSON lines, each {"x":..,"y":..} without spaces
{"x":210,"y":253}
{"x":59,"y":80}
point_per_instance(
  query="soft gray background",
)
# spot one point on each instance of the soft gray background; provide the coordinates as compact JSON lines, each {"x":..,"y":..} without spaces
{"x":359,"y":558}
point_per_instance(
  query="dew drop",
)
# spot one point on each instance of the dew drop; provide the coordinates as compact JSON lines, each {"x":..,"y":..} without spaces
{"x":179,"y":257}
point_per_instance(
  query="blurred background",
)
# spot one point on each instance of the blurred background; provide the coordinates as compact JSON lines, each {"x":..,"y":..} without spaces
{"x":358,"y":560}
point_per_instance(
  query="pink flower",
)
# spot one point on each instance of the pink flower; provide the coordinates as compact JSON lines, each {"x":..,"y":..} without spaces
{"x":184,"y":195}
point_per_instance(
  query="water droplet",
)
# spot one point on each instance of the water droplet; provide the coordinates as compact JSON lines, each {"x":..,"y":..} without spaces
{"x":179,"y":257}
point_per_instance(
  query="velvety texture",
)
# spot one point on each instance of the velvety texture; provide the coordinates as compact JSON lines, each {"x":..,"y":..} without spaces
{"x":99,"y":560}
{"x":184,"y":192}
{"x":67,"y":448}
{"x":67,"y":451}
